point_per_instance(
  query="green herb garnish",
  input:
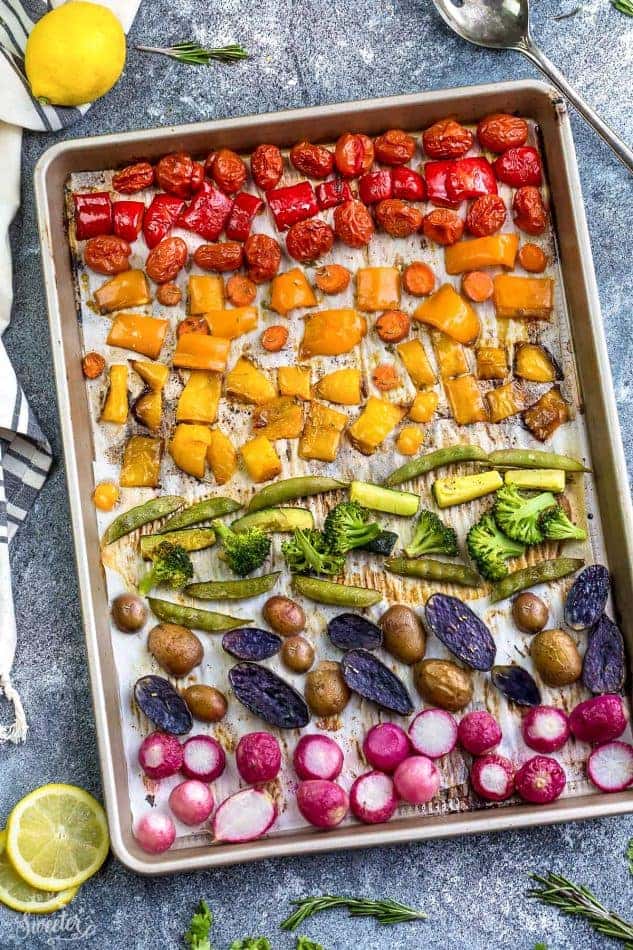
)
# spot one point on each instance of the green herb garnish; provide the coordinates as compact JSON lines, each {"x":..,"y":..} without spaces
{"x":624,"y":6}
{"x":196,"y":55}
{"x":629,"y":855}
{"x":578,"y":901}
{"x":197,"y":937}
{"x":384,"y":911}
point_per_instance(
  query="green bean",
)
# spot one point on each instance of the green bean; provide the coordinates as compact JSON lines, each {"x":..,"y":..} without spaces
{"x":541,"y":573}
{"x":427,"y":568}
{"x":290,"y":488}
{"x":433,"y":460}
{"x":533,"y":458}
{"x":233,"y":590}
{"x":330,"y":592}
{"x":141,"y":514}
{"x":201,"y":511}
{"x":193,"y":617}
{"x":191,"y":539}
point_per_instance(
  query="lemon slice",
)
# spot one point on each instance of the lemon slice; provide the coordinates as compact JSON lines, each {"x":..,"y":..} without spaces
{"x":18,"y":895}
{"x":57,"y":837}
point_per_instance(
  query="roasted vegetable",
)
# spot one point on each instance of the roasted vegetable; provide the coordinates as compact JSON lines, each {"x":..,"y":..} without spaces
{"x":251,"y":643}
{"x":427,"y":568}
{"x":587,"y":597}
{"x":281,"y":418}
{"x":288,"y":489}
{"x":523,"y":298}
{"x":517,"y":684}
{"x":191,"y":539}
{"x":505,"y":401}
{"x":115,"y":407}
{"x":321,"y":435}
{"x":137,"y":332}
{"x":518,"y":515}
{"x":431,"y":536}
{"x":403,"y":503}
{"x":556,"y":526}
{"x":159,"y":701}
{"x":326,"y":691}
{"x":193,"y":617}
{"x":556,"y":657}
{"x":196,"y":351}
{"x":261,"y":459}
{"x":136,"y":517}
{"x":466,"y":400}
{"x":233,"y":590}
{"x":291,"y":290}
{"x":371,"y":679}
{"x":377,"y":288}
{"x":547,"y":414}
{"x":309,"y":551}
{"x":154,"y":375}
{"x":535,"y":363}
{"x":127,"y":289}
{"x":141,"y":462}
{"x":275,"y":520}
{"x":205,"y":293}
{"x":423,"y":407}
{"x":199,"y":400}
{"x":447,"y":311}
{"x":148,"y":409}
{"x":492,"y":362}
{"x":247,"y":383}
{"x":284,"y":615}
{"x":378,"y":418}
{"x":232,"y":323}
{"x":458,"y":489}
{"x":294,"y":381}
{"x":347,"y":526}
{"x":443,"y":683}
{"x":343,"y":387}
{"x":129,"y":613}
{"x":496,"y":250}
{"x":383,"y":543}
{"x":171,"y":567}
{"x":416,"y":362}
{"x":352,"y":631}
{"x":490,"y":548}
{"x":268,"y":696}
{"x":450,"y":356}
{"x":221,"y":457}
{"x":204,"y":510}
{"x":534,"y":458}
{"x":188,"y":448}
{"x":529,"y":613}
{"x":331,"y":592}
{"x":461,"y":631}
{"x":603,"y":668}
{"x":243,"y":552}
{"x":537,"y":479}
{"x":403,"y":633}
{"x":332,"y":332}
{"x":432,"y":460}
{"x":175,"y":648}
{"x":541,"y":573}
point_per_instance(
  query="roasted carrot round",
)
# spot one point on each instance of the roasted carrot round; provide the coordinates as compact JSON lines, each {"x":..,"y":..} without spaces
{"x":196,"y":324}
{"x":93,"y":364}
{"x":532,"y":258}
{"x":418,"y":279}
{"x":386,"y":377}
{"x":393,"y":326}
{"x":332,"y":279}
{"x":477,"y":285}
{"x":241,"y":290}
{"x":274,"y":338}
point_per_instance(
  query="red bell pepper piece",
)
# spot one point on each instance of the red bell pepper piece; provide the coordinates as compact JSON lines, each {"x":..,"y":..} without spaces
{"x":160,"y":218}
{"x":470,"y":178}
{"x":128,"y":219}
{"x":407,"y":184}
{"x":291,"y":204}
{"x":436,"y":174}
{"x":244,"y":209}
{"x":332,"y":193}
{"x":375,"y":186}
{"x":208,"y":213}
{"x":519,"y":166}
{"x":93,"y":215}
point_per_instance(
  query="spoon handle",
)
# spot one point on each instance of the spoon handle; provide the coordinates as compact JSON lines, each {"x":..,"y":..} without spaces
{"x":624,"y":153}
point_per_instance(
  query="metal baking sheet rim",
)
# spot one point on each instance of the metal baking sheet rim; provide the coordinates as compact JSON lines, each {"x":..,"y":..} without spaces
{"x":533,"y":98}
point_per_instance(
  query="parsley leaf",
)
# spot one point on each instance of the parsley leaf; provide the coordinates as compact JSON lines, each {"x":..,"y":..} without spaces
{"x":197,"y":937}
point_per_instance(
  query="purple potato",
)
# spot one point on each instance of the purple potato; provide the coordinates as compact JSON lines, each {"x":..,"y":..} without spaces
{"x":351,"y":631}
{"x":159,"y":701}
{"x":268,"y":696}
{"x":371,"y":679}
{"x":517,"y":684}
{"x":461,"y":631}
{"x":251,"y":643}
{"x":603,"y":667}
{"x":587,"y":597}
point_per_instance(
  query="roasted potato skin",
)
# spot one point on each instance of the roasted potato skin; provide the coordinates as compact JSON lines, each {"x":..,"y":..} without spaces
{"x":556,"y":657}
{"x":404,"y":635}
{"x":443,"y":683}
{"x":326,"y":692}
{"x":284,"y":615}
{"x":529,"y":612}
{"x":176,"y":649}
{"x":205,"y":703}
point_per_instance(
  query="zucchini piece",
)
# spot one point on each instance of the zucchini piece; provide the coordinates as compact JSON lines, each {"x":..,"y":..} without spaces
{"x":383,"y":543}
{"x":389,"y":500}
{"x":539,"y":479}
{"x":275,"y":519}
{"x":458,"y":489}
{"x":191,"y":539}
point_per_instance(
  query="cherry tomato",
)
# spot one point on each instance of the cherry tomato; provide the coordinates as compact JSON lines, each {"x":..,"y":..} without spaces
{"x":443,"y":226}
{"x":166,"y":260}
{"x":530,"y":214}
{"x":519,"y":166}
{"x":395,"y":147}
{"x":169,"y":295}
{"x":500,"y":131}
{"x":227,"y":170}
{"x":174,"y":173}
{"x":354,"y":154}
{"x":398,"y":218}
{"x":263,"y":256}
{"x":133,"y":178}
{"x":308,"y":240}
{"x":486,"y":215}
{"x":267,"y":166}
{"x":447,"y":139}
{"x":353,"y":224}
{"x":314,"y":161}
{"x":107,"y":254}
{"x":92,"y":365}
{"x":221,"y":257}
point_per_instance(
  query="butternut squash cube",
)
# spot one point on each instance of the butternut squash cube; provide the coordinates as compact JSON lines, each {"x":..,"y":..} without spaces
{"x":281,"y":418}
{"x":497,"y":250}
{"x":322,"y":433}
{"x":206,"y":293}
{"x":423,"y":407}
{"x":377,"y":288}
{"x":466,"y":401}
{"x":137,"y":332}
{"x":188,"y":448}
{"x":546,"y":415}
{"x":505,"y":401}
{"x":332,"y":332}
{"x":294,"y":381}
{"x":232,"y":323}
{"x":141,"y":462}
{"x":115,"y":407}
{"x":127,"y":289}
{"x":261,"y":460}
{"x":290,"y":291}
{"x":523,"y":298}
{"x":416,"y":362}
{"x":492,"y":362}
{"x":200,"y":398}
{"x":246,"y":383}
{"x":221,"y":457}
{"x":154,"y":375}
{"x":376,"y":421}
{"x":197,"y":351}
{"x":343,"y":387}
{"x":148,"y":409}
{"x":450,"y":356}
{"x":535,"y":363}
{"x":448,"y":311}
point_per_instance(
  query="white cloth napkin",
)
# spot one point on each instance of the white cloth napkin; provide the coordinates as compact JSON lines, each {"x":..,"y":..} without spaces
{"x":25,"y":455}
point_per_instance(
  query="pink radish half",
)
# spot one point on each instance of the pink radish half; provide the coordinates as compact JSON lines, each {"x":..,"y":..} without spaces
{"x":598,"y":719}
{"x":317,"y":757}
{"x":416,"y":779}
{"x":160,"y":755}
{"x":540,"y":780}
{"x":610,"y":766}
{"x":155,"y":833}
{"x":372,"y":798}
{"x":258,"y":757}
{"x":492,"y":777}
{"x":244,"y":816}
{"x":479,"y":732}
{"x":192,"y":801}
{"x":323,"y":804}
{"x":545,"y":728}
{"x":203,"y":758}
{"x":433,"y":732}
{"x":386,"y":746}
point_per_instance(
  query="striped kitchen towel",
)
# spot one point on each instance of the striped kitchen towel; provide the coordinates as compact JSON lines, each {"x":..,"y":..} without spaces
{"x":25,"y":455}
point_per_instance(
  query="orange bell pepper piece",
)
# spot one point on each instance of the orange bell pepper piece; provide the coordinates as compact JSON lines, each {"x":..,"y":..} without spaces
{"x":141,"y":462}
{"x":290,"y":291}
{"x":497,"y":250}
{"x":332,"y":332}
{"x":135,"y":331}
{"x":198,"y":351}
{"x":127,"y":289}
{"x":232,"y":323}
{"x":206,"y":292}
{"x":377,"y":288}
{"x":447,"y":311}
{"x":523,"y":298}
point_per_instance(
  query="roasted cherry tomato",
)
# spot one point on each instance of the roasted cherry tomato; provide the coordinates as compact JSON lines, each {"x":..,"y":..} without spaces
{"x":375,"y":186}
{"x":443,"y":226}
{"x":485,"y":215}
{"x":332,"y":193}
{"x":436,"y":175}
{"x":244,"y":209}
{"x":160,"y":218}
{"x":169,"y":295}
{"x":398,"y":218}
{"x":500,"y":131}
{"x":128,"y":219}
{"x":194,"y":324}
{"x":447,"y":139}
{"x":354,"y":154}
{"x":394,"y":147}
{"x":353,"y":224}
{"x":222,"y":257}
{"x":308,"y":240}
{"x":93,"y":215}
{"x":530,"y":214}
{"x":207,"y":213}
{"x":133,"y":178}
{"x":177,"y":175}
{"x":166,"y":259}
{"x":407,"y":184}
{"x":267,"y":166}
{"x":263,"y":256}
{"x":291,"y":204}
{"x":315,"y":161}
{"x":519,"y":166}
{"x":107,"y":254}
{"x":227,"y":170}
{"x":469,"y":178}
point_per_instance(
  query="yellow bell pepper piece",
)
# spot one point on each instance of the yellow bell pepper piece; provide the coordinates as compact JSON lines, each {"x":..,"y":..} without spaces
{"x":137,"y":332}
{"x":206,"y":292}
{"x":247,"y":383}
{"x":332,"y":332}
{"x":376,"y":421}
{"x":465,"y":400}
{"x":188,"y":448}
{"x":416,"y":362}
{"x":523,"y":298}
{"x":115,"y":408}
{"x":450,"y":355}
{"x":497,"y":250}
{"x":291,"y":290}
{"x":281,"y":418}
{"x":449,"y":312}
{"x":196,"y":351}
{"x":505,"y":401}
{"x":322,"y":433}
{"x":148,"y":409}
{"x":200,"y":398}
{"x":232,"y":323}
{"x":141,"y":462}
{"x":423,"y":407}
{"x":377,"y":288}
{"x":261,"y":460}
{"x":343,"y":386}
{"x":127,"y":289}
{"x":492,"y":362}
{"x":294,"y":381}
{"x":221,"y":457}
{"x":154,"y":375}
{"x":409,"y":440}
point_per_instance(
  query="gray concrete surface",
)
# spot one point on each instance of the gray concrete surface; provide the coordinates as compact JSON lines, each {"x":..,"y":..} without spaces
{"x":307,"y":52}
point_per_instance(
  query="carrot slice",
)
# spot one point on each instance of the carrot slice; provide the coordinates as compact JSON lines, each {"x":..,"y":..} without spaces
{"x":478,"y":286}
{"x":274,"y":338}
{"x":532,"y":258}
{"x":332,"y":279}
{"x":386,"y":377}
{"x":418,"y":279}
{"x":393,"y":326}
{"x":240,"y":290}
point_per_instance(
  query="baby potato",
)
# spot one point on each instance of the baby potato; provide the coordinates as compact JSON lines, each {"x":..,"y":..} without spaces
{"x":175,"y":648}
{"x":129,"y":613}
{"x":205,"y":703}
{"x":403,"y":634}
{"x":529,"y":612}
{"x":443,"y":683}
{"x":326,"y":691}
{"x":556,"y":657}
{"x":297,"y":654}
{"x":284,"y":616}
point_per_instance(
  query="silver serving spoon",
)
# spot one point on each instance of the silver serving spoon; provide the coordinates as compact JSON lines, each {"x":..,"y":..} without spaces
{"x":505,"y":24}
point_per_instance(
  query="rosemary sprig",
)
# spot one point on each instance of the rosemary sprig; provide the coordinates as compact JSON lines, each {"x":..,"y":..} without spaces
{"x":385,"y":911}
{"x":578,"y":901}
{"x":624,"y":6}
{"x":629,"y":855}
{"x":196,"y":55}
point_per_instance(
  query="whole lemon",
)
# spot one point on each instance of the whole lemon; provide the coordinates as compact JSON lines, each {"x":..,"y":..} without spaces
{"x":75,"y":53}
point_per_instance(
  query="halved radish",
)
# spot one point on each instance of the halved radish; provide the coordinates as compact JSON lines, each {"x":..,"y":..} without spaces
{"x":610,"y":766}
{"x":433,"y":733}
{"x":160,"y":755}
{"x":479,"y":732}
{"x":545,"y":728}
{"x":317,"y":756}
{"x":203,"y":758}
{"x":540,"y":780}
{"x":244,"y":816}
{"x":492,"y":777}
{"x":372,"y":797}
{"x":386,"y":745}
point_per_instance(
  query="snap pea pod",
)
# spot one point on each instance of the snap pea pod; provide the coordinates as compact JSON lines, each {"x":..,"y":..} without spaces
{"x":533,"y":458}
{"x":541,"y":573}
{"x":433,"y":460}
{"x":275,"y":519}
{"x":233,"y":590}
{"x":428,"y":568}
{"x":331,"y":592}
{"x":290,"y":488}
{"x":201,"y":511}
{"x":193,"y":617}
{"x":141,"y":514}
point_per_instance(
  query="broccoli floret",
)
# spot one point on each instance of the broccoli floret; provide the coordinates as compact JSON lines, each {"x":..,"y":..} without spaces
{"x":308,"y":550}
{"x":556,"y":526}
{"x":518,"y":515}
{"x":490,"y":548}
{"x":431,"y":536}
{"x":347,"y":526}
{"x":243,"y":552}
{"x":171,"y":567}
